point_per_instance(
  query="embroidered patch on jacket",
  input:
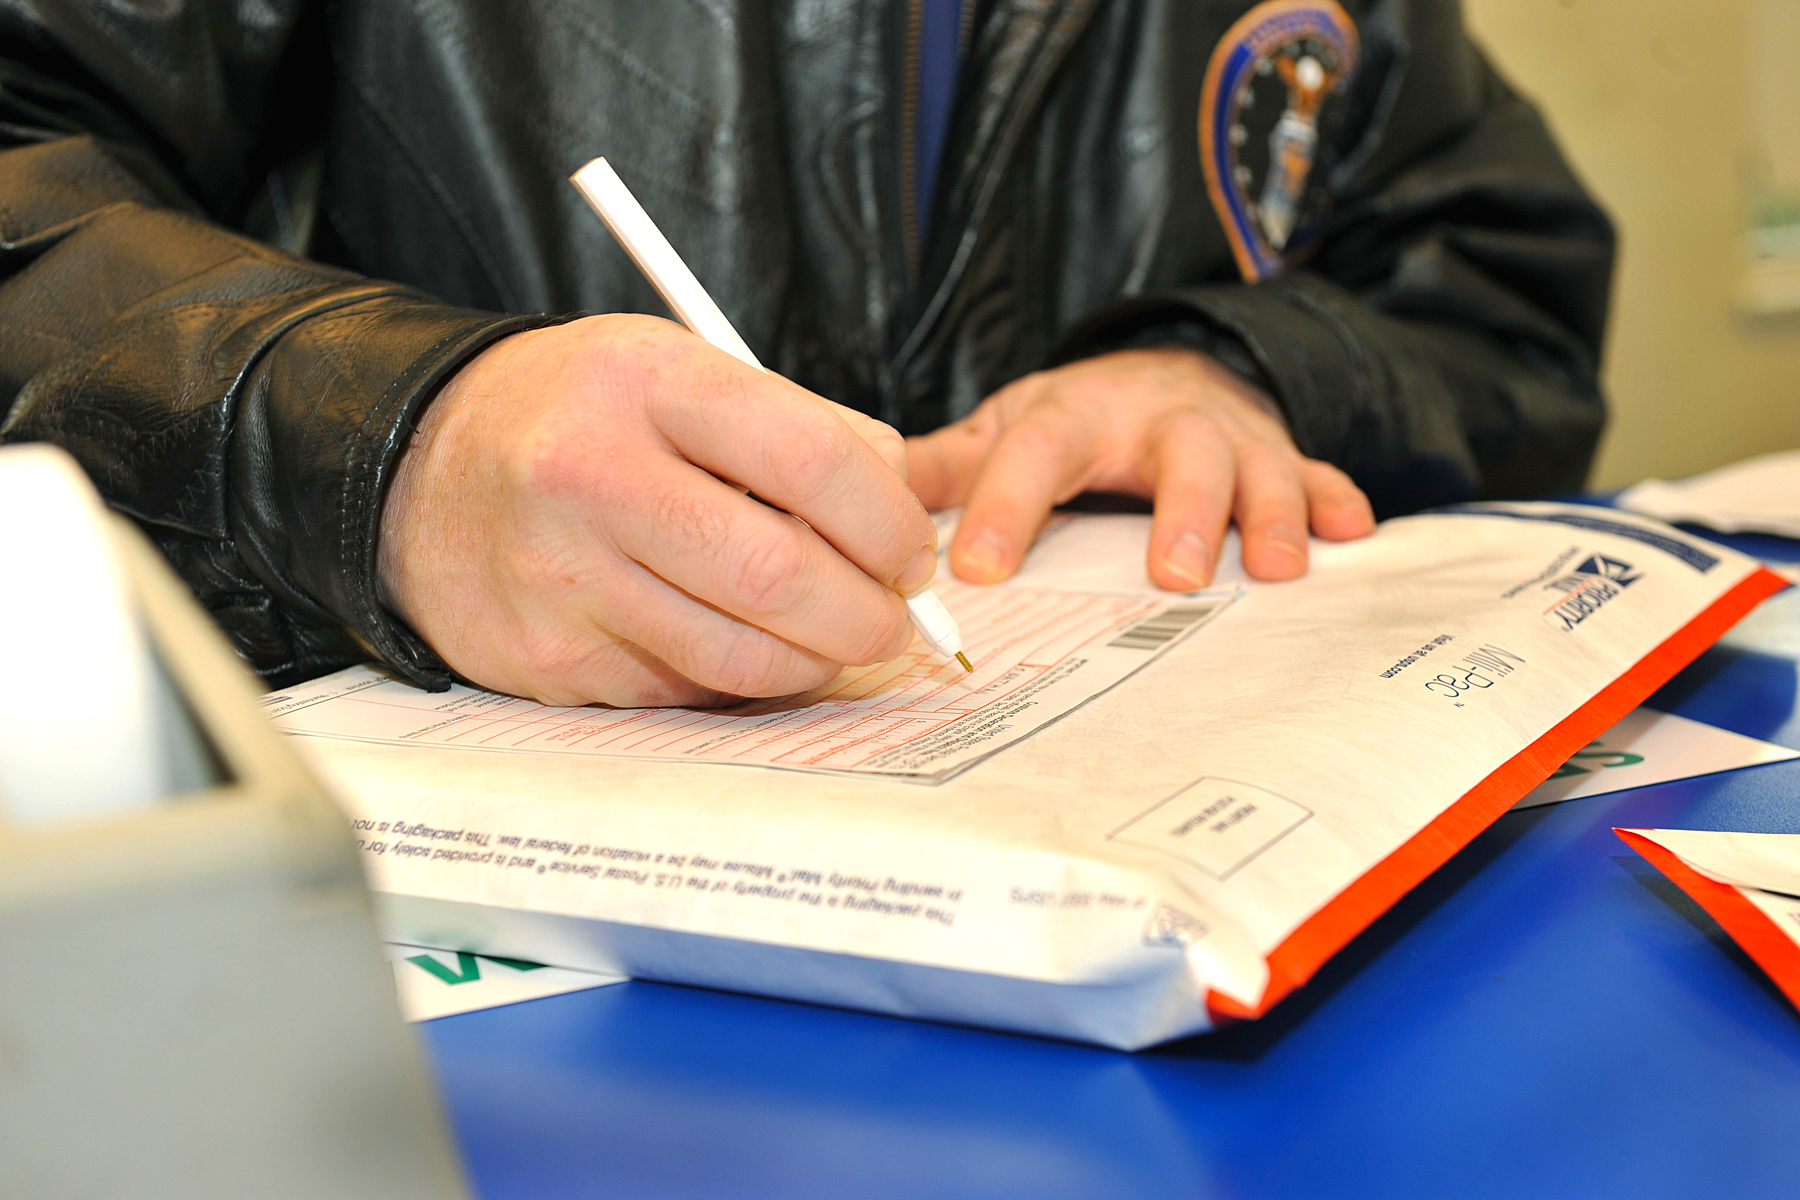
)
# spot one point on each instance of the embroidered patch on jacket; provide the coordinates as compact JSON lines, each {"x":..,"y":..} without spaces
{"x":1271,"y":78}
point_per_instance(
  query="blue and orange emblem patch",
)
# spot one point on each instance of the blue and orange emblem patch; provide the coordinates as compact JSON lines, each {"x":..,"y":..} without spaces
{"x":1271,"y":79}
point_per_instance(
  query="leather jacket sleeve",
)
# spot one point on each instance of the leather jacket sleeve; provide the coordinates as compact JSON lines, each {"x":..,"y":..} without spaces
{"x":1442,"y":343}
{"x":245,"y":406}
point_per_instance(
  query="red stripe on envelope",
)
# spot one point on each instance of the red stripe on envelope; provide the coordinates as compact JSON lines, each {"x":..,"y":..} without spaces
{"x":1355,"y":908}
{"x":1747,"y":924}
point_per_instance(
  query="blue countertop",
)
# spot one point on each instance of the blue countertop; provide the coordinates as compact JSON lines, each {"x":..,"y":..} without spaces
{"x":1545,"y":1016}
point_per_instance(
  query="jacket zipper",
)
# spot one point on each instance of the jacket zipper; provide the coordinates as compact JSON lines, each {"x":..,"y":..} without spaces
{"x":989,"y":171}
{"x":909,"y":139}
{"x":909,"y":120}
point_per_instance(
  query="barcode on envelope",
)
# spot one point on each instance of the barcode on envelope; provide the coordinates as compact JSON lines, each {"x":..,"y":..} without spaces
{"x":1153,"y":633}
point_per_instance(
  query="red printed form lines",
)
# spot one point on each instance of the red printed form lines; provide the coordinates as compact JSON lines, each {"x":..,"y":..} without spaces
{"x":889,"y":705}
{"x":1037,"y":652}
{"x":1054,"y":631}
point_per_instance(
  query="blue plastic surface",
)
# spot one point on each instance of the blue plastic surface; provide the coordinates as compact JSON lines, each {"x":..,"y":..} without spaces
{"x":1546,"y":1016}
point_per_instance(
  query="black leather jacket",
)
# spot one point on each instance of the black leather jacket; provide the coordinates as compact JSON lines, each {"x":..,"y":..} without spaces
{"x":247,"y":405}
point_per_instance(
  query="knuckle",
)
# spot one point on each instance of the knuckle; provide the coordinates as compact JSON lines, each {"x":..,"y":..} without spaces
{"x":539,"y":566}
{"x":546,"y":666}
{"x":1023,"y":393}
{"x":771,"y":574}
{"x":988,"y":417}
{"x":1326,"y":479}
{"x":632,"y":680}
{"x":808,"y":458}
{"x":752,"y":663}
{"x":1036,"y":438}
{"x":1191,"y":420}
{"x":591,"y":666}
{"x":1190,"y":426}
{"x":626,"y":325}
{"x":685,"y":518}
{"x":648,"y":690}
{"x":882,"y":633}
{"x":885,"y":439}
{"x":544,"y":462}
{"x":1274,"y":465}
{"x":1058,"y":404}
{"x":624,"y":343}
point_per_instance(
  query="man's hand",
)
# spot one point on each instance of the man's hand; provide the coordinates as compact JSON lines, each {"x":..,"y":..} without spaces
{"x":1170,"y":424}
{"x":564,"y":523}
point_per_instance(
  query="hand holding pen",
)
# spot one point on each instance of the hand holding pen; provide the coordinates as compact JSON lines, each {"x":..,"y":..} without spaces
{"x":601,"y":186}
{"x":558,"y":527}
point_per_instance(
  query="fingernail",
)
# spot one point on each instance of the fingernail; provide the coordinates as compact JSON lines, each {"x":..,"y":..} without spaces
{"x":1282,"y":536}
{"x":985,"y":558}
{"x":918,"y":572}
{"x":1190,"y":559}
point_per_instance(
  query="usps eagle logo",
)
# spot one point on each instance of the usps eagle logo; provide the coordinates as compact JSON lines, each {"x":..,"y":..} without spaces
{"x":1621,"y":573}
{"x":1272,"y":80}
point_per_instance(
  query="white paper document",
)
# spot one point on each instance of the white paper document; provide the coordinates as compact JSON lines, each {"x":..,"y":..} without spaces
{"x":1759,"y":495}
{"x":1749,"y":882}
{"x":1651,"y":747}
{"x":1174,"y":843}
{"x":1768,"y":862}
{"x":442,"y":983}
{"x":1038,"y":654}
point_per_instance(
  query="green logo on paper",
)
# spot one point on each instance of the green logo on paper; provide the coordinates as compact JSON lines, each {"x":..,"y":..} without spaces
{"x":1596,"y":751}
{"x":468,"y":966}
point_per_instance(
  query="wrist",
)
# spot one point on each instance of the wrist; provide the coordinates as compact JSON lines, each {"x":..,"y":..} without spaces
{"x":421,"y":457}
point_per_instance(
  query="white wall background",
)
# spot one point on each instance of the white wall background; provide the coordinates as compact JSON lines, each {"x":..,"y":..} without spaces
{"x":1678,"y":114}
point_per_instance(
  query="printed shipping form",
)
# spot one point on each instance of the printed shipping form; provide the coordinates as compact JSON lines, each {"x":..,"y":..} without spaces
{"x":1042,"y":654}
{"x":1113,"y":850}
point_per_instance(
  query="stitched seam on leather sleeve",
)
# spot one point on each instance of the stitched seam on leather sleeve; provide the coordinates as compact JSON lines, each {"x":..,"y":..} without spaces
{"x":27,"y":331}
{"x":180,"y":514}
{"x":43,"y":239}
{"x":285,"y":322}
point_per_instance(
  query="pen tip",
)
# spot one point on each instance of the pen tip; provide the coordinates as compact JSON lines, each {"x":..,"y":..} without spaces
{"x":964,"y":660}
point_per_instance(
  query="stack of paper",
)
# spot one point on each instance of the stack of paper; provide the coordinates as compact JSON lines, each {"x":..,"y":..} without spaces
{"x":1760,"y":495}
{"x":1749,"y":882}
{"x":441,"y":983}
{"x":1146,"y":813}
{"x":1651,"y":747}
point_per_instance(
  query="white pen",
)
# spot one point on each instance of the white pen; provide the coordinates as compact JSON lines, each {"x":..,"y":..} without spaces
{"x":607,"y":194}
